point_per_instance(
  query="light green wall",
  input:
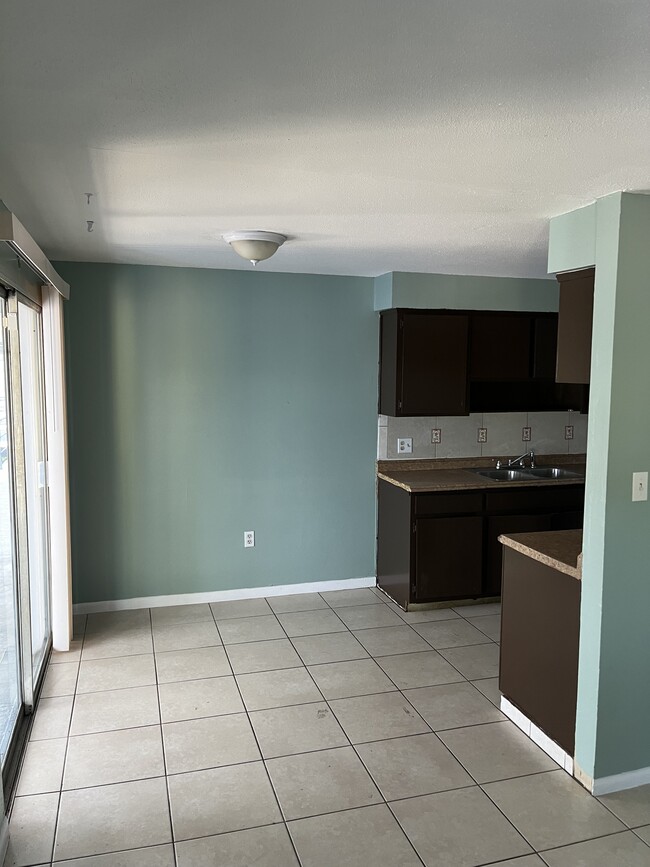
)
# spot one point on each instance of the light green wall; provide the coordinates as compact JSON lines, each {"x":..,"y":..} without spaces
{"x":205,"y":403}
{"x":402,"y":289}
{"x":572,"y":240}
{"x":613,"y":721}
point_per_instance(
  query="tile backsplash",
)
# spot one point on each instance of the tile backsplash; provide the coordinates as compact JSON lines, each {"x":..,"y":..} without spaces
{"x":505,"y":434}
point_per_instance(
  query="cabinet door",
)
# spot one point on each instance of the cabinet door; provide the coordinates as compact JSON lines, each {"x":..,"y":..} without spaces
{"x":448,"y":558}
{"x":544,"y":346}
{"x":575,"y":326}
{"x":500,"y":347}
{"x":433,"y":374}
{"x":494,"y":549}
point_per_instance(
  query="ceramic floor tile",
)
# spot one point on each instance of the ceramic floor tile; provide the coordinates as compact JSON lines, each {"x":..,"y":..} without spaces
{"x":269,"y":846}
{"x":462,"y":828}
{"x":490,"y":625}
{"x":152,"y":856}
{"x":453,"y":705}
{"x":122,"y":672}
{"x":31,"y":830}
{"x":321,"y":782}
{"x":117,"y":620}
{"x":220,"y":800}
{"x":71,"y":655}
{"x":297,"y":602}
{"x":411,"y":670}
{"x":426,"y":615}
{"x":174,"y":614}
{"x":368,"y":616}
{"x":526,"y":861}
{"x":266,"y":689}
{"x":131,"y":642}
{"x":248,"y":629}
{"x":389,"y":640}
{"x":617,"y":849}
{"x":344,"y":598}
{"x":139,"y":817}
{"x":115,"y":709}
{"x":178,"y":665}
{"x":346,"y":679}
{"x":311,"y":623}
{"x":60,"y":680}
{"x":298,"y":729}
{"x":478,"y":661}
{"x":79,"y":624}
{"x":489,"y":686}
{"x":42,"y":768}
{"x":632,"y":806}
{"x":354,"y":838}
{"x":643,"y":833}
{"x":210,"y":742}
{"x":412,"y":766}
{"x":52,"y":719}
{"x":185,"y":636}
{"x":113,"y":757}
{"x":496,"y":751}
{"x":450,"y":633}
{"x":240,"y":608}
{"x":262,"y":656}
{"x":191,"y":699}
{"x":337,"y":647}
{"x":374,"y":717}
{"x":552,"y":809}
{"x":484,"y":610}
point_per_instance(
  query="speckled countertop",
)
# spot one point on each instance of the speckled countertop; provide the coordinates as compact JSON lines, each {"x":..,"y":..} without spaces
{"x":442,"y":474}
{"x":559,"y":549}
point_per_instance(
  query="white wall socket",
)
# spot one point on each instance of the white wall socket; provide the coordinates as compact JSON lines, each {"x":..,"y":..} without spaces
{"x":249,"y":538}
{"x":568,"y":431}
{"x":436,"y":435}
{"x":405,"y":446}
{"x":482,"y":435}
{"x":639,"y":487}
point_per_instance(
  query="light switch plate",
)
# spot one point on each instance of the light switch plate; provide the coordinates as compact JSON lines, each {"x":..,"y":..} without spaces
{"x":405,"y":446}
{"x":639,"y":487}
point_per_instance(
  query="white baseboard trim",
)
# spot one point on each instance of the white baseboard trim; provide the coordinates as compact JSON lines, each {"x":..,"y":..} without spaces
{"x":618,"y":782}
{"x":222,"y":595}
{"x":543,"y":741}
{"x":4,"y":837}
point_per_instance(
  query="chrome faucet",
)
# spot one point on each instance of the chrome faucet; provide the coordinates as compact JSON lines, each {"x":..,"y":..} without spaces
{"x":520,"y":461}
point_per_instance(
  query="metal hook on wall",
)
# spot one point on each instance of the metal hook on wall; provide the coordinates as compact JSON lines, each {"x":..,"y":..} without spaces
{"x":90,"y":224}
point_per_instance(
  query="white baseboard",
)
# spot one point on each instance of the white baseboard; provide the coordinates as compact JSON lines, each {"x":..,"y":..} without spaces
{"x":543,"y":741}
{"x":223,"y":595}
{"x":618,"y":782}
{"x":4,"y":837}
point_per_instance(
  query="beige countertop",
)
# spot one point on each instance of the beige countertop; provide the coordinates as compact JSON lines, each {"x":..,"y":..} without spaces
{"x":428,"y":476}
{"x":559,"y":549}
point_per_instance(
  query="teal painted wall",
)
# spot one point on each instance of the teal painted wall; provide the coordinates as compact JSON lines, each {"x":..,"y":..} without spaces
{"x":613,"y":720}
{"x":455,"y":291}
{"x":572,"y":240}
{"x":205,"y":403}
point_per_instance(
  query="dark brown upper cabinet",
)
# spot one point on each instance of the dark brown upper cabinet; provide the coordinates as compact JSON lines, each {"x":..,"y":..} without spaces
{"x":575,"y":325}
{"x":500,"y":347}
{"x":423,"y":362}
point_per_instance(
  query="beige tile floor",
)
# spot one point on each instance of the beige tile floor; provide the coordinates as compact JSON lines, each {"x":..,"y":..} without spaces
{"x":314,"y":730}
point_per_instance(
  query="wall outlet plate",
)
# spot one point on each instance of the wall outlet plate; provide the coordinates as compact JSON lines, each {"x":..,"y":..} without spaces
{"x":568,"y":431}
{"x":436,"y":435}
{"x":405,"y":446}
{"x":482,"y":435}
{"x":525,"y":434}
{"x":249,"y":538}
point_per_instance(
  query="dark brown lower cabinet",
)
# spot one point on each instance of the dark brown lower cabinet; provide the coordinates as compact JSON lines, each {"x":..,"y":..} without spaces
{"x":436,"y":547}
{"x":540,"y":632}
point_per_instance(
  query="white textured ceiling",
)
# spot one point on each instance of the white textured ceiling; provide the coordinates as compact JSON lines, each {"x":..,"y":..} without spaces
{"x":422,"y":135}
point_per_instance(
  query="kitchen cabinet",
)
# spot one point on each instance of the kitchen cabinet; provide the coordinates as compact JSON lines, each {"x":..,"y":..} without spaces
{"x":441,"y":546}
{"x":500,"y":347}
{"x":423,"y":362}
{"x":575,"y":325}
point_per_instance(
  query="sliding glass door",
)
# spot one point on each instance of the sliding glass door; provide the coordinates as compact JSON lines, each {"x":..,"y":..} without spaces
{"x":10,"y":676}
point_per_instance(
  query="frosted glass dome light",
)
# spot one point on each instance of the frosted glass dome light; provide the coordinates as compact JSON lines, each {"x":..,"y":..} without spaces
{"x":255,"y":246}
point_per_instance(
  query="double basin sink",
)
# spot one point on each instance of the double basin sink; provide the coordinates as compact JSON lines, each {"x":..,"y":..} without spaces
{"x":526,"y":474}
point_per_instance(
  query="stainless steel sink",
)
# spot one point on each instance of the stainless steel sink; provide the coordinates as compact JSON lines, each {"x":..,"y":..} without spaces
{"x":552,"y":473}
{"x":504,"y":475}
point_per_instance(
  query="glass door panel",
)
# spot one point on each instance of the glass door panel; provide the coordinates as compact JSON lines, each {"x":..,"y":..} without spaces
{"x":10,"y":677}
{"x":35,"y":469}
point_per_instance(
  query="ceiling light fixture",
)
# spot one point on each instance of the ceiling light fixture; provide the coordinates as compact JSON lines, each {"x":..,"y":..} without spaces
{"x":255,"y":246}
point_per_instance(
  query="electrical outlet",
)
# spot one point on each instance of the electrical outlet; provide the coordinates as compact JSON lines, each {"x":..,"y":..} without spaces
{"x":482,"y":435}
{"x":525,"y":434}
{"x":568,"y":431}
{"x":639,"y":487}
{"x":436,"y":435}
{"x":405,"y":446}
{"x":249,"y":538}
